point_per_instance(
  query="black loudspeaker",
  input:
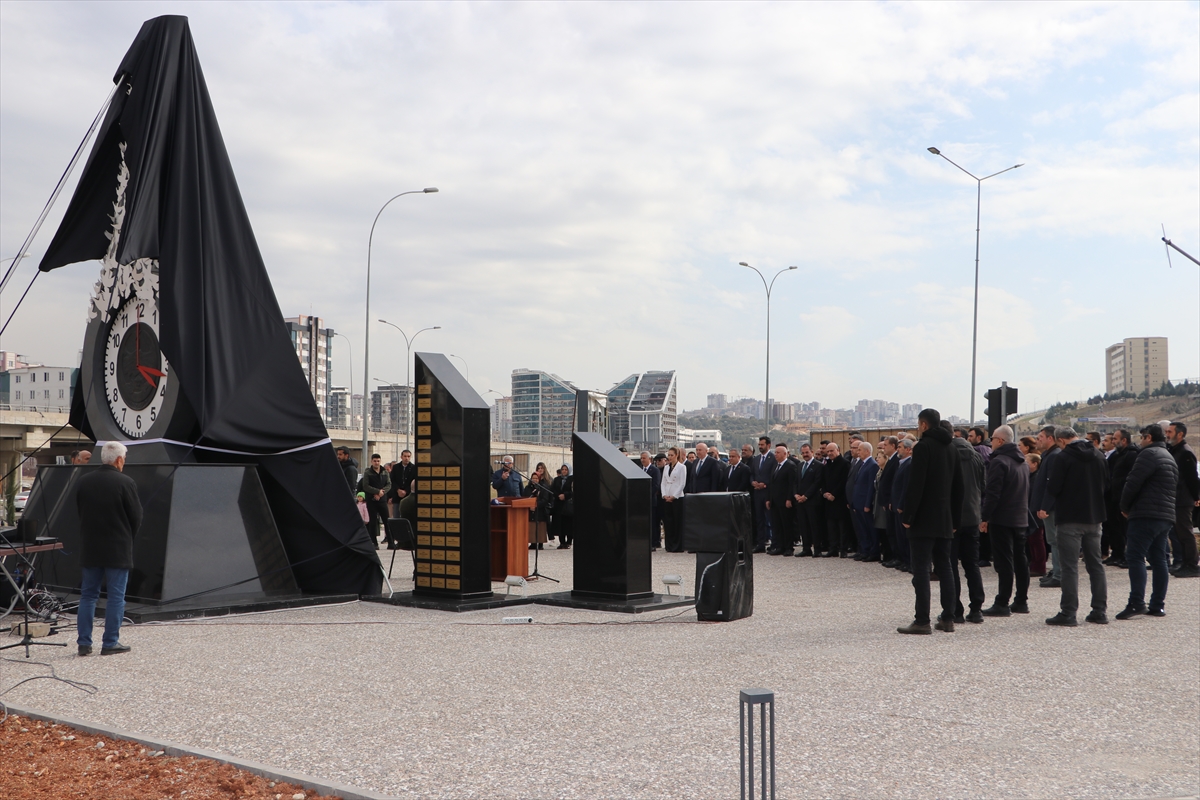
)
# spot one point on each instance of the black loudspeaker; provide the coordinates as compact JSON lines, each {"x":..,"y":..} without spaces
{"x":717,"y":527}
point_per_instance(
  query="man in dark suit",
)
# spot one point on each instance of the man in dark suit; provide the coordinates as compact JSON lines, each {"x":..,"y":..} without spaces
{"x":760,"y":471}
{"x":110,"y":514}
{"x":738,"y":477}
{"x":933,"y":503}
{"x":704,"y":475}
{"x":781,"y":489}
{"x":811,"y":521}
{"x":655,"y":499}
{"x":404,"y":472}
{"x":864,"y":502}
{"x":885,"y":498}
{"x":837,"y":513}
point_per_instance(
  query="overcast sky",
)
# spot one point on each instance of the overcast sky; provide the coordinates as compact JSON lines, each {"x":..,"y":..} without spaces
{"x":604,"y":167}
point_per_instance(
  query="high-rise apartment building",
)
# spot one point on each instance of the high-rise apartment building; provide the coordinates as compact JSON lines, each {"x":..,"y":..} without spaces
{"x":543,"y":408}
{"x":653,"y":411}
{"x":502,"y":420}
{"x":1136,"y":365}
{"x":618,"y":409}
{"x":389,"y":408}
{"x":314,"y":348}
{"x":337,"y":413}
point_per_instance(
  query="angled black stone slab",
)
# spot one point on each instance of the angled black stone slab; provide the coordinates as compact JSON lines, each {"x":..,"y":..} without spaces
{"x":612,"y":523}
{"x":453,"y":456}
{"x":655,"y":602}
{"x":207,"y":534}
{"x":413,"y":600}
{"x":156,"y":612}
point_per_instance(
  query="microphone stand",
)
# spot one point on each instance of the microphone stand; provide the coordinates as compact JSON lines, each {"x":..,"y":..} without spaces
{"x":536,"y":550}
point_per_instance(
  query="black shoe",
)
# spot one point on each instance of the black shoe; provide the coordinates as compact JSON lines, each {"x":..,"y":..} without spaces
{"x":905,"y":567}
{"x":1110,"y":561}
{"x":1121,"y":564}
{"x":1097,"y":618}
{"x":85,"y":649}
{"x":116,"y":649}
{"x":891,"y":563}
{"x":1053,"y":583}
{"x":983,"y":562}
{"x":760,"y":549}
{"x":959,"y":619}
{"x":916,"y":627}
{"x":843,"y":555}
{"x":872,"y":558}
{"x":1187,"y":572}
{"x":857,"y":557}
{"x":976,"y":616}
{"x":1156,"y":612}
{"x":1062,"y":620}
{"x":943,"y":624}
{"x":1132,"y":611}
{"x":997,"y":610}
{"x":802,"y":554}
{"x":1019,"y":608}
{"x":533,"y":547}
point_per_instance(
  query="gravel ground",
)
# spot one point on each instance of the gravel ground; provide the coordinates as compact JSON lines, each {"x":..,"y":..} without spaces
{"x":419,"y":703}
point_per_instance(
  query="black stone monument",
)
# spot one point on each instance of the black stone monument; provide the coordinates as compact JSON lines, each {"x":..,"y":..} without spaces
{"x":453,"y":458}
{"x":612,"y":533}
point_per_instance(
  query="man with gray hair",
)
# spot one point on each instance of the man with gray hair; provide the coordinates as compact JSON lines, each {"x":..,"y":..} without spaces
{"x":1077,"y":486}
{"x":110,"y":514}
{"x":1005,"y":515}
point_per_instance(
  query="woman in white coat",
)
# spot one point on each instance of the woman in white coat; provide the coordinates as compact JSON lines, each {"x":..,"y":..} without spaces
{"x":674,"y":478}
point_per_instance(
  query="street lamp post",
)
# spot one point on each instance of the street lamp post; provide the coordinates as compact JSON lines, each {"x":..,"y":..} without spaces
{"x":500,"y":432}
{"x":768,"y":287}
{"x":975,"y":313}
{"x":408,"y":374}
{"x":367,"y":324}
{"x":350,"y":411}
{"x":466,"y":368}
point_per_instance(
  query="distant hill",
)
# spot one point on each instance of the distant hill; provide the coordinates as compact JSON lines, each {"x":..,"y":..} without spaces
{"x":1144,"y":412}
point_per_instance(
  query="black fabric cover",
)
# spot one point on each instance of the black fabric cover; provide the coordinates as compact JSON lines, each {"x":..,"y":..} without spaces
{"x":716,"y":522}
{"x":222,"y":329}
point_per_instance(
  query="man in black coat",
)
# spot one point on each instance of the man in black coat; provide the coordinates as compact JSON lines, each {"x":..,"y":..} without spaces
{"x":1043,"y":503}
{"x":781,"y":488}
{"x":1147,"y":501}
{"x":404,"y":472}
{"x":837,"y":513}
{"x":704,"y":475}
{"x":932,"y":511}
{"x":899,"y":487}
{"x":349,"y":469}
{"x":1077,"y":486}
{"x":375,"y":484}
{"x":884,"y":497}
{"x":810,"y":520}
{"x":1005,"y":515}
{"x":1187,"y":498}
{"x":110,"y":514}
{"x":737,"y":479}
{"x":760,"y":472}
{"x":655,"y":499}
{"x":1124,"y":455}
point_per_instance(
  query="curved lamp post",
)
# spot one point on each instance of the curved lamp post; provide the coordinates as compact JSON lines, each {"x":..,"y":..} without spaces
{"x":408,"y":373}
{"x":466,"y":368}
{"x":768,"y":287}
{"x":367,"y":324}
{"x":975,"y":314}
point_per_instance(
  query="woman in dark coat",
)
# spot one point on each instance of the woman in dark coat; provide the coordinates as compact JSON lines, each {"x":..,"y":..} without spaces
{"x":539,"y":518}
{"x":563,"y":508}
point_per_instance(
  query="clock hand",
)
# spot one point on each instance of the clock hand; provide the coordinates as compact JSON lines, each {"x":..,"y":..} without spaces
{"x":146,"y":372}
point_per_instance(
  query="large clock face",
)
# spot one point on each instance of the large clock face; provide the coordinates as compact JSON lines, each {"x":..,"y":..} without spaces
{"x":135,"y":372}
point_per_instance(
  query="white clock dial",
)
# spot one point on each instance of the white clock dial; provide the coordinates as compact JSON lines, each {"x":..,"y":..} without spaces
{"x":135,"y":371}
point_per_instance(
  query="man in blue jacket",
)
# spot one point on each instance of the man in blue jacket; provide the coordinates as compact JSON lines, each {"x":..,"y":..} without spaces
{"x":1148,"y":503}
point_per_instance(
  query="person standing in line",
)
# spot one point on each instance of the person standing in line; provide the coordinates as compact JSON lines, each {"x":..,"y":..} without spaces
{"x":851,"y":483}
{"x":808,"y":509}
{"x":1187,"y":499}
{"x":781,"y":488}
{"x":886,"y":499}
{"x":899,"y":487}
{"x":932,"y":512}
{"x":704,"y":475}
{"x":1005,"y":516}
{"x":1077,"y":486}
{"x":1044,"y":503}
{"x":737,"y":479}
{"x":375,"y":484}
{"x":404,"y":472}
{"x":538,"y":488}
{"x":1123,"y":456}
{"x":349,"y":469}
{"x":1035,"y":537}
{"x":837,"y":513}
{"x":964,"y":549}
{"x":864,"y":496}
{"x":673,"y":483}
{"x":562,"y":507}
{"x":110,"y":514}
{"x":655,"y":498}
{"x":1149,"y":505}
{"x":760,"y":471}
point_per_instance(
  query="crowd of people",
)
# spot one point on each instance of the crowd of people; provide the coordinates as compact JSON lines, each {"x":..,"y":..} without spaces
{"x":940,"y":505}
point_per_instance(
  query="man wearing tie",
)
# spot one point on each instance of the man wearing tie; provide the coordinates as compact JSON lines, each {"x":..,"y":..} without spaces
{"x":781,"y":490}
{"x":808,"y":497}
{"x":738,"y":477}
{"x":837,"y":512}
{"x":760,"y":472}
{"x":655,"y":499}
{"x":864,"y":501}
{"x":887,"y":498}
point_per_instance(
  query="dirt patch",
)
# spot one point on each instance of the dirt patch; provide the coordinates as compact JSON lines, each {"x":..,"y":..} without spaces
{"x":47,"y":761}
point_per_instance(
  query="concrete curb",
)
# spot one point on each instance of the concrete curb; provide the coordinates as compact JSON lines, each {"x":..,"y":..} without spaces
{"x":342,"y":790}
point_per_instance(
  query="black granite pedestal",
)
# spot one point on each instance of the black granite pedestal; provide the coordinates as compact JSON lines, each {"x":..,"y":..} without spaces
{"x":476,"y":603}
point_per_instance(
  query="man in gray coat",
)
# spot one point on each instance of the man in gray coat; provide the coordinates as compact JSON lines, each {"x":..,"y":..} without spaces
{"x":109,"y":517}
{"x":965,"y":548}
{"x":1148,"y":502}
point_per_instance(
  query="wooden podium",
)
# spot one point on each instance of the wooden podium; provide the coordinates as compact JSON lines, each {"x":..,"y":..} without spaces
{"x":510,"y":536}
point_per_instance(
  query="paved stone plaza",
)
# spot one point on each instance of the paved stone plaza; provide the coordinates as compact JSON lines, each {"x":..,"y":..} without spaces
{"x":432,"y":704}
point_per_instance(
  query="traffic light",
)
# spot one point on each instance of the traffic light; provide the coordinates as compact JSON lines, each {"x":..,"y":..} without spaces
{"x":1002,"y":401}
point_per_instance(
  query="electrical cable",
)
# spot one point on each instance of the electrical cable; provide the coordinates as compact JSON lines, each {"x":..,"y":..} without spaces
{"x":87,"y":688}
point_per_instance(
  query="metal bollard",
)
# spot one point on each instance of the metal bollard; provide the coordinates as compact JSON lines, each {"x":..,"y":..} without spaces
{"x":761,"y":698}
